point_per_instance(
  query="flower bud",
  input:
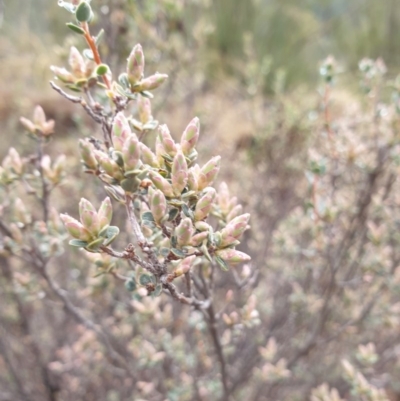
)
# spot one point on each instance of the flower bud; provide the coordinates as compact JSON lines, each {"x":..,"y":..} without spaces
{"x":21,"y":212}
{"x":131,"y":152}
{"x":89,"y":217}
{"x":166,"y":140}
{"x":120,"y":131}
{"x":192,"y":180}
{"x":223,"y":198}
{"x":63,"y":75}
{"x":204,"y":205}
{"x":135,"y":65}
{"x":28,"y":125}
{"x":13,"y":161}
{"x":144,"y":106}
{"x":151,"y":82}
{"x":234,"y":212}
{"x":158,"y":205}
{"x":179,"y":173}
{"x":148,"y":157}
{"x":162,"y":184}
{"x":184,"y":231}
{"x":75,"y":228}
{"x":232,"y":256}
{"x":105,"y":212}
{"x":209,"y":172}
{"x":109,"y":166}
{"x":190,"y":136}
{"x":39,"y":118}
{"x":198,"y":239}
{"x":86,"y":150}
{"x":77,"y":63}
{"x":234,"y":229}
{"x":184,"y":266}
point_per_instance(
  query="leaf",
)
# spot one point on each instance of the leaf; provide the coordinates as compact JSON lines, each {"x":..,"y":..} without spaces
{"x":102,"y":69}
{"x":99,"y":36}
{"x":78,"y":243}
{"x":164,"y":252}
{"x":88,"y":54}
{"x":75,"y":28}
{"x":222,"y":264}
{"x":148,"y":216}
{"x":68,"y":6}
{"x":84,"y":12}
{"x":130,"y":184}
{"x":157,"y":292}
{"x":145,"y":279}
{"x":147,"y":94}
{"x":112,"y":232}
{"x":179,"y":253}
{"x":95,"y":245}
{"x":130,"y":284}
{"x":172,"y":214}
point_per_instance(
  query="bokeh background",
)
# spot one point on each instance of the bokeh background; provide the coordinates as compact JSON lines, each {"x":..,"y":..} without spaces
{"x":251,"y":71}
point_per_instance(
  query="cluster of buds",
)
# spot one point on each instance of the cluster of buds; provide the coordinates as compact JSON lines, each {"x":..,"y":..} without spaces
{"x":146,"y":121}
{"x":39,"y":127}
{"x":323,"y":393}
{"x":12,"y":167}
{"x":93,"y":230}
{"x":82,"y":72}
{"x":372,"y":72}
{"x":133,"y":80}
{"x":53,"y":173}
{"x":328,"y":69}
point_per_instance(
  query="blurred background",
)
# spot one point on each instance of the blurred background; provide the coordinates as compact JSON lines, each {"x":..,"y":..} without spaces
{"x":251,"y":71}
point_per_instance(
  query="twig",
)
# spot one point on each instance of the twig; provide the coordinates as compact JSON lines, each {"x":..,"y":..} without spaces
{"x":78,"y":100}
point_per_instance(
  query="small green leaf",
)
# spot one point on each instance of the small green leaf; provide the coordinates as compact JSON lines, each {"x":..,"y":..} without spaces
{"x":123,"y":80}
{"x":147,"y":94}
{"x":75,"y":28}
{"x":179,"y":253}
{"x":78,"y":243}
{"x":174,"y":241}
{"x":157,"y":292}
{"x":99,"y":36}
{"x":164,"y":252}
{"x":172,"y":214}
{"x":187,"y":212}
{"x":131,"y":285}
{"x":112,"y":232}
{"x":145,"y":279}
{"x":95,"y":245}
{"x":102,"y":69}
{"x":84,"y":12}
{"x":222,"y":264}
{"x":148,"y":216}
{"x":88,"y":54}
{"x":130,"y":184}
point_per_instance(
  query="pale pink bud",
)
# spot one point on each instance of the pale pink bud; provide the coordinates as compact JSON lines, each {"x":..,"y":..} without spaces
{"x":59,"y":166}
{"x":39,"y":118}
{"x":135,"y":65}
{"x":151,"y":82}
{"x":77,"y":63}
{"x":63,"y":75}
{"x":223,"y":198}
{"x":202,"y":226}
{"x":105,"y":213}
{"x":109,"y":166}
{"x":148,"y":157}
{"x":87,"y":153}
{"x":21,"y":212}
{"x":209,"y":172}
{"x":88,"y":216}
{"x":14,"y":161}
{"x":184,"y":231}
{"x":162,"y":184}
{"x":192,"y":180}
{"x":28,"y":125}
{"x":166,"y":140}
{"x":232,"y":256}
{"x":234,"y":229}
{"x":184,"y":266}
{"x":160,"y":151}
{"x":131,"y":152}
{"x":179,"y":173}
{"x":75,"y":228}
{"x":158,"y":205}
{"x":234,"y":212}
{"x":190,"y":136}
{"x":144,"y":106}
{"x":198,"y":239}
{"x":204,"y":205}
{"x":120,"y":131}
